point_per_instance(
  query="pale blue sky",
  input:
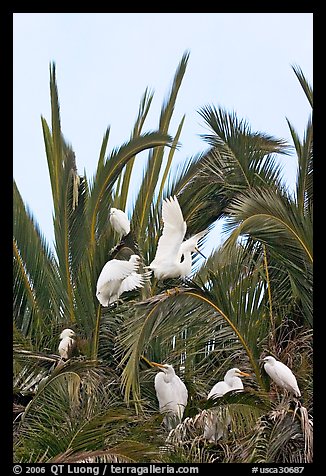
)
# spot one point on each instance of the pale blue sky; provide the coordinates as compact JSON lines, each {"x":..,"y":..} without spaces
{"x":104,"y":61}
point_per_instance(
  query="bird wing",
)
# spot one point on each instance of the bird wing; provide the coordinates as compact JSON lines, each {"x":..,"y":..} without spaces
{"x":237,"y":384}
{"x":134,"y":281}
{"x":182,"y":392}
{"x":66,"y":346}
{"x":163,"y":392}
{"x":116,"y":270}
{"x":283,"y":376}
{"x":174,"y":230}
{"x":219,"y":389}
{"x":171,"y":395}
{"x":189,"y":244}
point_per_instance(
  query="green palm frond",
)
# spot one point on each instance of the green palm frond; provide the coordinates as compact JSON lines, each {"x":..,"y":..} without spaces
{"x":19,"y":339}
{"x":122,"y":194}
{"x":35,"y":276}
{"x":234,"y":282}
{"x":250,"y":297}
{"x":162,"y":318}
{"x":264,"y":213}
{"x":185,"y":173}
{"x":238,"y":160}
{"x":123,"y":452}
{"x":56,"y":406}
{"x":304,"y":153}
{"x":235,"y":137}
{"x":167,"y":171}
{"x":73,"y":418}
{"x":304,"y":83}
{"x":65,"y":191}
{"x":272,"y":218}
{"x":226,"y":313}
{"x":111,"y":170}
{"x":278,"y":437}
{"x":238,"y":411}
{"x":190,"y":449}
{"x":101,"y":159}
{"x":155,"y":159}
{"x":53,"y":141}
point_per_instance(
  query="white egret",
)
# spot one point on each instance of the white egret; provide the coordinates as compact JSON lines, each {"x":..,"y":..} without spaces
{"x":119,"y":221}
{"x":67,"y":343}
{"x":172,"y":394}
{"x":232,"y":381}
{"x":214,"y":426}
{"x":117,"y":277}
{"x":173,"y":255}
{"x":281,"y":375}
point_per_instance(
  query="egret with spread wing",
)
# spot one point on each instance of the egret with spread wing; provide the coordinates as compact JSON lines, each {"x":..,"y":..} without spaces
{"x":119,"y":221}
{"x":117,"y":277}
{"x":281,"y":375}
{"x":172,"y":394}
{"x":173,"y":255}
{"x":214,"y":426}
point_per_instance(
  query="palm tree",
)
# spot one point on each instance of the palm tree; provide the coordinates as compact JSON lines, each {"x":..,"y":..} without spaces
{"x":251,"y":296}
{"x":53,"y":290}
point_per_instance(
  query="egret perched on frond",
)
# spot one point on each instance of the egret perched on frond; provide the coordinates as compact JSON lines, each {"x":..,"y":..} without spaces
{"x":67,"y":343}
{"x":173,"y":255}
{"x":117,"y":277}
{"x":231,"y":381}
{"x":281,"y":374}
{"x":119,"y":221}
{"x":172,"y":394}
{"x":214,"y":427}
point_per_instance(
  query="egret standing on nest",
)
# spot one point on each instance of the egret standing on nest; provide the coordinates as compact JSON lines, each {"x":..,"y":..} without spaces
{"x":172,"y":394}
{"x":173,"y":255}
{"x":214,"y":426}
{"x":119,"y":221}
{"x":67,"y":343}
{"x":117,"y":277}
{"x":281,"y":375}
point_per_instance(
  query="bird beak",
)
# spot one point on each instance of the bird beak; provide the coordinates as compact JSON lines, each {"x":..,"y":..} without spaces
{"x":158,"y":365}
{"x":152,"y":364}
{"x":244,"y":374}
{"x":198,"y":251}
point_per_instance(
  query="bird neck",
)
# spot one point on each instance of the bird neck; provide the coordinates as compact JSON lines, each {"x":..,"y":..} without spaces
{"x":168,"y":375}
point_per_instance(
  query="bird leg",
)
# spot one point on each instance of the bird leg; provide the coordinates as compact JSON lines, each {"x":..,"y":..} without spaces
{"x":297,"y":406}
